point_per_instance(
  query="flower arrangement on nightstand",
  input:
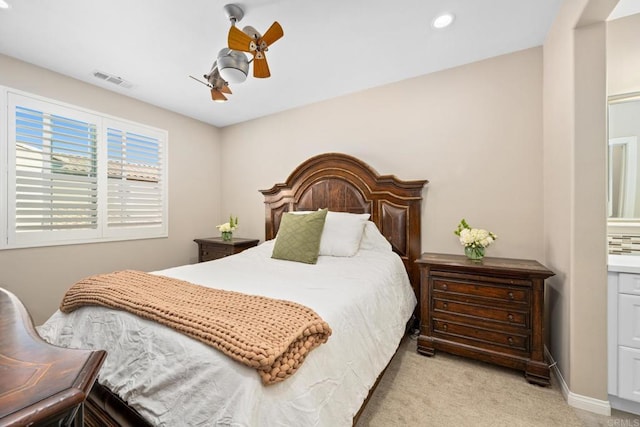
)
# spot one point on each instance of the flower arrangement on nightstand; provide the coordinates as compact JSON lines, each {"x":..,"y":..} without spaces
{"x":474,"y":240}
{"x":227,"y":229}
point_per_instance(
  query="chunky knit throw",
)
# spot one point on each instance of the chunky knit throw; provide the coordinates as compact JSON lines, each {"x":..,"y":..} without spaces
{"x":270,"y":335}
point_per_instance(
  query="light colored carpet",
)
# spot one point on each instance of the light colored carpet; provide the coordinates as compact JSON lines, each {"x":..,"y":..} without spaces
{"x":448,"y":390}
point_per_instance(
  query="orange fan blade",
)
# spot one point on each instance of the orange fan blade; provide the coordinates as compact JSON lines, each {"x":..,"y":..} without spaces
{"x":225,"y":89}
{"x":260,"y":67}
{"x":217,"y":96}
{"x":238,"y":40}
{"x":273,"y":33}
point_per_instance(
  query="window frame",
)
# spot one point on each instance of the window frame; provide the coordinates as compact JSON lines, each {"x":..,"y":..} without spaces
{"x":10,"y":238}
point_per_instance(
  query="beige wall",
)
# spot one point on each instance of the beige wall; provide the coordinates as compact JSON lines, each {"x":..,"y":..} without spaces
{"x":558,"y":180}
{"x":475,"y":132}
{"x":623,"y":55}
{"x":574,"y":194}
{"x":40,"y":276}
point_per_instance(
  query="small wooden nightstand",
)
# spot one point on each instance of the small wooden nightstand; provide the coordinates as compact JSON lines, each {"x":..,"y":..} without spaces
{"x":491,"y":310}
{"x":214,"y":247}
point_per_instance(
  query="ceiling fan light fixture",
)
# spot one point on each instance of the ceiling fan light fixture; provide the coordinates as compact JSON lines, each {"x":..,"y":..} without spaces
{"x":443,"y":20}
{"x":233,"y":66}
{"x":233,"y":75}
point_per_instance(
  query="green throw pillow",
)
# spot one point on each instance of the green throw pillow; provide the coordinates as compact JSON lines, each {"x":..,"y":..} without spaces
{"x":299,"y":236}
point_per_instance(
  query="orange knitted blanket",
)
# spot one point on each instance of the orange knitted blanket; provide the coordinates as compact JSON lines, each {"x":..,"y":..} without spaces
{"x":272,"y":336}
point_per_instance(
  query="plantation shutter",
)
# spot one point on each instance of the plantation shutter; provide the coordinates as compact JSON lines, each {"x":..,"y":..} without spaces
{"x":136,"y":173}
{"x":55,"y":167}
{"x":77,"y":176}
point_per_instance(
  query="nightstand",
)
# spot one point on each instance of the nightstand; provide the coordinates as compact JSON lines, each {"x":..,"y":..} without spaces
{"x":214,"y":247}
{"x":490,"y":310}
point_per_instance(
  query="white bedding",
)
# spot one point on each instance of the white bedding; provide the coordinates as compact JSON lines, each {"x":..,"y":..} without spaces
{"x":173,"y":380}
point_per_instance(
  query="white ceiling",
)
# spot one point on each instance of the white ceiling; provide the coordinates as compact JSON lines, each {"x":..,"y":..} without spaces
{"x":330,"y":48}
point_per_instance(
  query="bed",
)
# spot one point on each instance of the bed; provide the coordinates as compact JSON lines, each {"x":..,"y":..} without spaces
{"x":368,"y":299}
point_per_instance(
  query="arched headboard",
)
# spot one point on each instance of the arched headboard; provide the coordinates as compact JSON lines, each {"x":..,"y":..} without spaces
{"x":343,"y":183}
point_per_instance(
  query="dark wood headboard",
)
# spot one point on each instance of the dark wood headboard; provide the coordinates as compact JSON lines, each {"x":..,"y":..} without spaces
{"x":343,"y":183}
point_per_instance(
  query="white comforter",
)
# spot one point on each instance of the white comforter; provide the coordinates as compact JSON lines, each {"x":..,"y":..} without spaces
{"x":173,"y":380}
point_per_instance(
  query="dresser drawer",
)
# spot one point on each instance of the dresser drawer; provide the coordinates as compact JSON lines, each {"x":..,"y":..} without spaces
{"x":629,"y":320}
{"x":629,"y":284}
{"x":477,"y":313}
{"x":481,"y":336}
{"x":629,"y":374}
{"x":482,"y":290}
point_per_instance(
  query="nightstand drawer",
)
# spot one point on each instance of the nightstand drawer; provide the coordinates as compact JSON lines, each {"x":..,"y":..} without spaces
{"x":483,"y":290}
{"x":481,"y":336}
{"x":481,"y":313}
{"x":208,"y":253}
{"x":213,"y":248}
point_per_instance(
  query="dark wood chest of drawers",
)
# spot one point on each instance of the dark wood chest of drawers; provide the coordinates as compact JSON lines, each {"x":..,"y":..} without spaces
{"x":214,"y":247}
{"x":40,"y":384}
{"x":490,"y":310}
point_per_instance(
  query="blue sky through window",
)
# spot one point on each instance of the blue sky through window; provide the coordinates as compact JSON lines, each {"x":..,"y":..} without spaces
{"x":59,"y":134}
{"x":130,"y":147}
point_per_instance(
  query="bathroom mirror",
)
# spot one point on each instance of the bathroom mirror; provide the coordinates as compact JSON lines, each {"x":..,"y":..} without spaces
{"x":624,"y":160}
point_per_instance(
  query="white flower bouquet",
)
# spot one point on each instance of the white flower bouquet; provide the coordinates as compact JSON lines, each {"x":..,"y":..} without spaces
{"x":474,"y":240}
{"x":228,"y":228}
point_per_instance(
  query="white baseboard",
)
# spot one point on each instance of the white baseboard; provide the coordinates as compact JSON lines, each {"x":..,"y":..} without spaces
{"x":601,"y":407}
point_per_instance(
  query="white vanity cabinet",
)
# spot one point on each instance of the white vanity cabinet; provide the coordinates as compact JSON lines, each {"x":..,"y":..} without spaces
{"x":624,"y":333}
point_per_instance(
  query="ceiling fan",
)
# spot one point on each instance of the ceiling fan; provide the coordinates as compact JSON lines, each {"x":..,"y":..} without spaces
{"x":232,"y":65}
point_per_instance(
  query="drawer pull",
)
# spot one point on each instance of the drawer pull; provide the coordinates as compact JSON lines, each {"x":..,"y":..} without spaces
{"x":510,"y":317}
{"x":510,"y":340}
{"x":510,"y":295}
{"x":444,"y":327}
{"x":444,"y":287}
{"x":445,"y":305}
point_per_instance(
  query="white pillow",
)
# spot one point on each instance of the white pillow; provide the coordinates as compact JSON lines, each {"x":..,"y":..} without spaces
{"x":342,"y":233}
{"x":373,"y":240}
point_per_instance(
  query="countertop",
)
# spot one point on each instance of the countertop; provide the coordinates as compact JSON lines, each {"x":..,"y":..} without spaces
{"x":624,"y":263}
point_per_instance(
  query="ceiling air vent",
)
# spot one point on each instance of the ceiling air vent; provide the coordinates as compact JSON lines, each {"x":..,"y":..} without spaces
{"x":112,"y":79}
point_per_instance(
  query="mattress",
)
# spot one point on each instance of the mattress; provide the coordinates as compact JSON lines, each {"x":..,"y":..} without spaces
{"x":171,"y":379}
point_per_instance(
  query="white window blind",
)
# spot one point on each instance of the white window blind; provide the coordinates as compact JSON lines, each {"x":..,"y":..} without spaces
{"x":135,"y":184}
{"x":76,"y":176}
{"x":56,"y":181}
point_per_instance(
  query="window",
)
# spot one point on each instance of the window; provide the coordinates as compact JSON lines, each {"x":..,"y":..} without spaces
{"x":77,"y":176}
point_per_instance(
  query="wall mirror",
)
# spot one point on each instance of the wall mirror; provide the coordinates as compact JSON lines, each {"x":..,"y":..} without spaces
{"x":623,"y":202}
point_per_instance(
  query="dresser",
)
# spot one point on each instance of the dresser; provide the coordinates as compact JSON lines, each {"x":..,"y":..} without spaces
{"x":490,"y":310}
{"x":212,"y":248}
{"x":40,"y":384}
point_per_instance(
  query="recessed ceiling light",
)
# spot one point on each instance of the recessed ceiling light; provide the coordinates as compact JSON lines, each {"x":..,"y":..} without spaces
{"x":443,"y":21}
{"x":4,"y":4}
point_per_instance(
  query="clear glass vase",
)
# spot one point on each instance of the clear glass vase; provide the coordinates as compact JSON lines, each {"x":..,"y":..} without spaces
{"x":474,"y":254}
{"x":227,"y":236}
